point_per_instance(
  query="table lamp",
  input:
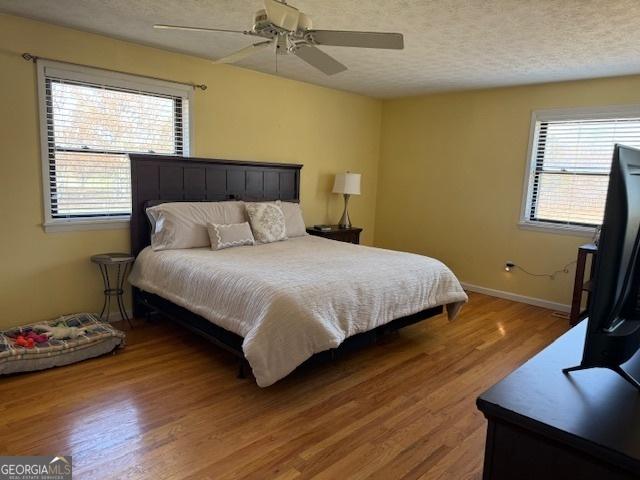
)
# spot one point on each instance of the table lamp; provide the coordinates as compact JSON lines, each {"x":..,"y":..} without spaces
{"x":348,"y":184}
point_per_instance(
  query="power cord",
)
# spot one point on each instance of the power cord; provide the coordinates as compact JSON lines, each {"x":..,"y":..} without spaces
{"x":510,"y":266}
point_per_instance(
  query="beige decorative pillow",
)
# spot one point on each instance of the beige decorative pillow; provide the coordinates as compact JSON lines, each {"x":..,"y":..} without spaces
{"x":184,"y":224}
{"x":267,"y":222}
{"x":293,"y":221}
{"x":231,"y":235}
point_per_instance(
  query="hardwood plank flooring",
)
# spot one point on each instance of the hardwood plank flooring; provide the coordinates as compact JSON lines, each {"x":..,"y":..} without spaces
{"x":169,"y":405}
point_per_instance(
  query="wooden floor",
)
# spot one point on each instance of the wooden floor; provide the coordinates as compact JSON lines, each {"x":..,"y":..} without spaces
{"x":169,"y":405}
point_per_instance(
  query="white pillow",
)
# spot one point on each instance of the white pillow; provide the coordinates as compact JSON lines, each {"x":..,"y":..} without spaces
{"x":231,"y":235}
{"x":267,"y":222}
{"x":293,"y":220}
{"x":184,"y":224}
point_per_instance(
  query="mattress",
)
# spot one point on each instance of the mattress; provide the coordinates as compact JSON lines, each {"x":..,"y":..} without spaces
{"x":292,"y":299}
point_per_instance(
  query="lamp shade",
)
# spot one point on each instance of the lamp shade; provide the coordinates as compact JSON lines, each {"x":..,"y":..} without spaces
{"x":348,"y":183}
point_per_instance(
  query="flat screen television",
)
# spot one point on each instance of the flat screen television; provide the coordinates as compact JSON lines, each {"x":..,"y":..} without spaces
{"x":613,"y":329}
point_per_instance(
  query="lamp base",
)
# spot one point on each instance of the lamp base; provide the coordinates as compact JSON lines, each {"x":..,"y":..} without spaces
{"x":345,"y":221}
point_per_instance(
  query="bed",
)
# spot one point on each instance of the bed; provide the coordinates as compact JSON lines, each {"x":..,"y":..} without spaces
{"x":280,"y":304}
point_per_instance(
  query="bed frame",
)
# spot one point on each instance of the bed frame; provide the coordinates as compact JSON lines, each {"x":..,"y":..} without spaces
{"x":156,"y":179}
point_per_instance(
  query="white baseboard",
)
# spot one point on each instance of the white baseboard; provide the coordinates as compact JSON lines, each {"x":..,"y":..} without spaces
{"x":538,"y":302}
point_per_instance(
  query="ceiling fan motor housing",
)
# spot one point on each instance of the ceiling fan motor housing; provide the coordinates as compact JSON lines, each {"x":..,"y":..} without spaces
{"x":282,"y":45}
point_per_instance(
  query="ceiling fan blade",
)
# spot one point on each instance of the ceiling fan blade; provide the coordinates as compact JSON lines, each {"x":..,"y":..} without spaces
{"x":318,"y":59}
{"x":244,"y":52}
{"x":341,"y":38}
{"x":160,"y":26}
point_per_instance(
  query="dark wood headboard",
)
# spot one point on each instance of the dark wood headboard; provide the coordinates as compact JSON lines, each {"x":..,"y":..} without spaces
{"x":159,"y":178}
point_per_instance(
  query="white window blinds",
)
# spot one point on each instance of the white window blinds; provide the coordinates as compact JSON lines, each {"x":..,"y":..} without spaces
{"x":91,"y":126}
{"x":571,"y":160}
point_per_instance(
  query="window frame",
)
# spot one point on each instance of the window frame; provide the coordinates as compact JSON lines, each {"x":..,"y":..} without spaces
{"x":79,"y":73}
{"x":561,"y":114}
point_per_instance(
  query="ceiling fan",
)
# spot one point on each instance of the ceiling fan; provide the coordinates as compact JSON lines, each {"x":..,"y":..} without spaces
{"x":289,"y":32}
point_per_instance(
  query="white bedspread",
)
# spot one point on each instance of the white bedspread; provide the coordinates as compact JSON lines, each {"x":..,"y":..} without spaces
{"x":294,"y":298}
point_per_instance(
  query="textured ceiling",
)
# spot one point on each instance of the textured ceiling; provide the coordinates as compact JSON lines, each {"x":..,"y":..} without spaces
{"x":449,"y":44}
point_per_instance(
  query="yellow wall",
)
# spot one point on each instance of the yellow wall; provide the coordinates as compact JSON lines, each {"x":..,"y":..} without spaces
{"x":446,"y":169}
{"x":243,"y":115}
{"x":451,"y":177}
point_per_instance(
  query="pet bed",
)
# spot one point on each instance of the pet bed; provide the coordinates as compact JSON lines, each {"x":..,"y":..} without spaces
{"x":87,"y":337}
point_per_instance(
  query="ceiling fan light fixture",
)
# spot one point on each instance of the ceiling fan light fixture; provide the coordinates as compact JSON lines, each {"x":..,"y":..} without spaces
{"x":282,"y":15}
{"x":304,"y":22}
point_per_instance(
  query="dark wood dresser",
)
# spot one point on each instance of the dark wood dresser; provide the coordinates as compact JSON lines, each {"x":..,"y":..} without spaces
{"x":543,"y":424}
{"x":349,"y":235}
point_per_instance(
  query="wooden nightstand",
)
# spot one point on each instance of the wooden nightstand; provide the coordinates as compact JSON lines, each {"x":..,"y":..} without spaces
{"x":349,"y":235}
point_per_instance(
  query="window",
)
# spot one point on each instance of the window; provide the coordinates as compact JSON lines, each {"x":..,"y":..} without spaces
{"x":90,"y":120}
{"x":569,"y":164}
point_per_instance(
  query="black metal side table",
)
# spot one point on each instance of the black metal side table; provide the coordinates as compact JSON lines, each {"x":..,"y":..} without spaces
{"x":111,"y":264}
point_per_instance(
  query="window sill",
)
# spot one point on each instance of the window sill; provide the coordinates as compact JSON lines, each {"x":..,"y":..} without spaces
{"x":72,"y":225}
{"x":573,"y":230}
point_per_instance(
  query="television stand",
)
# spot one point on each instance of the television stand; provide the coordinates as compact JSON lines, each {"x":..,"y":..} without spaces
{"x":543,"y":424}
{"x":616,"y":368}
